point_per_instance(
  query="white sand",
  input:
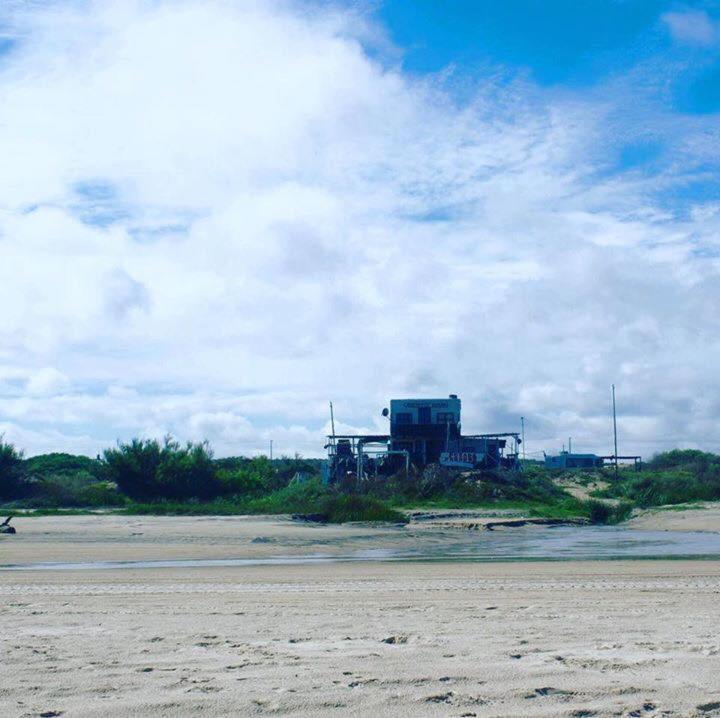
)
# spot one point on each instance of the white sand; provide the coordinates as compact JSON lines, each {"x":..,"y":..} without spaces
{"x":537,"y":639}
{"x":704,"y":516}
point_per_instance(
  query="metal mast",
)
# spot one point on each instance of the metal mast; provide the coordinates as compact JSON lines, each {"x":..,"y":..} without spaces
{"x":332,"y":422}
{"x":615,"y":430}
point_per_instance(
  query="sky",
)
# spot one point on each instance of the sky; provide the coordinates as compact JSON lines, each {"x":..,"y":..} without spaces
{"x":216,"y":216}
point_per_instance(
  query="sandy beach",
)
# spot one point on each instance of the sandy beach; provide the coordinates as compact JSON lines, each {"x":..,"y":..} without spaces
{"x":599,"y":638}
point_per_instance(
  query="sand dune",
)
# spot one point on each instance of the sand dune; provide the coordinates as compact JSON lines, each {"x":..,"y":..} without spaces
{"x":703,"y":516}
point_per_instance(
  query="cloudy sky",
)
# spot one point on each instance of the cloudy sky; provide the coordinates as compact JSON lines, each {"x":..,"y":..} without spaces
{"x":218,"y":215}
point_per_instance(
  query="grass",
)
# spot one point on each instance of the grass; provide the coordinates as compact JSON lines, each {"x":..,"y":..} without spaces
{"x":309,"y":498}
{"x":564,"y":507}
{"x":338,"y":509}
{"x":14,"y":510}
{"x":603,"y":513}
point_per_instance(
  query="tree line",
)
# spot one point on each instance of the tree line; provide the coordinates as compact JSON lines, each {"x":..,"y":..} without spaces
{"x":141,"y":470}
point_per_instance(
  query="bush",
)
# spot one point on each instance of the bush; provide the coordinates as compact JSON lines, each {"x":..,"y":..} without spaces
{"x":697,"y":461}
{"x":186,"y":472}
{"x":100,"y":494}
{"x":286,"y":467}
{"x":600,"y":512}
{"x":253,"y":477}
{"x":147,"y":469}
{"x":50,"y":465}
{"x":239,"y":483}
{"x":13,"y":484}
{"x":435,"y":480}
{"x":650,"y":488}
{"x":339,"y":508}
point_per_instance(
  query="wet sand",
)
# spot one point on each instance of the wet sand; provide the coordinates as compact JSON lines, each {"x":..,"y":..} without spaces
{"x":368,"y":639}
{"x":158,"y":538}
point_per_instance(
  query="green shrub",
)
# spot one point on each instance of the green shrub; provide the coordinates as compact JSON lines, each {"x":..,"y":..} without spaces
{"x":240,"y":482}
{"x":600,"y":512}
{"x":273,"y":475}
{"x":186,"y":472}
{"x":340,"y":508}
{"x":286,"y":467}
{"x":252,"y":478}
{"x":46,"y":465}
{"x":13,"y":484}
{"x":147,"y":469}
{"x":675,"y":486}
{"x":100,"y":494}
{"x":698,"y":461}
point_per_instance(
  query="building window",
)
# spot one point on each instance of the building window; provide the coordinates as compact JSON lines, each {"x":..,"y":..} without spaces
{"x":403,"y":417}
{"x":443,"y":417}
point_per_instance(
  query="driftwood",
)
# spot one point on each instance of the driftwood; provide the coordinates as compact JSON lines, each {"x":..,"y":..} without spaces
{"x":312,"y":518}
{"x":513,"y":523}
{"x":5,"y":527}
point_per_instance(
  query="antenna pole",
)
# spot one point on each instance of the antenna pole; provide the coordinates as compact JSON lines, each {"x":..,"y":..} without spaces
{"x":332,"y":425}
{"x":522,"y":424}
{"x":569,"y":444}
{"x":271,"y":449}
{"x":615,"y":431}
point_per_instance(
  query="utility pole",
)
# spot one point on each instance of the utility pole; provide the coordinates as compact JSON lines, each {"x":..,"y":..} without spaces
{"x":522,"y":425}
{"x":271,"y":449}
{"x":332,"y":423}
{"x":569,"y":444}
{"x":615,"y":431}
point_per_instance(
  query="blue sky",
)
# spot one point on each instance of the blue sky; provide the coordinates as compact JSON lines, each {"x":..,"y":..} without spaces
{"x":557,"y":43}
{"x":216,"y":216}
{"x":661,"y":58}
{"x":567,"y":44}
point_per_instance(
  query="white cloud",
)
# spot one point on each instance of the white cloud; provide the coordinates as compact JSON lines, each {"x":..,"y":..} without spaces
{"x":216,"y":216}
{"x":46,"y":382}
{"x":692,"y":26}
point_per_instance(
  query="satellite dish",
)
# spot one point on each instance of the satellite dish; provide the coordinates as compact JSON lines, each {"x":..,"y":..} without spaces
{"x":385,"y":412}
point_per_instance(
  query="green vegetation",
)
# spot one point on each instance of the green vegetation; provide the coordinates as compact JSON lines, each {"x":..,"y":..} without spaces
{"x":600,"y":512}
{"x":674,"y":477}
{"x":308,"y":499}
{"x":12,"y":479}
{"x":165,"y":477}
{"x":153,"y":477}
{"x":148,"y":469}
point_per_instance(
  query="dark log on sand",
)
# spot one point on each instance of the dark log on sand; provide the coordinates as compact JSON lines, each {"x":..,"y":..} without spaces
{"x":5,"y":527}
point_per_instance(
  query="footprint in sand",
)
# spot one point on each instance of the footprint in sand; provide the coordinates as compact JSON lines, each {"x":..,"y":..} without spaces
{"x":394,"y":640}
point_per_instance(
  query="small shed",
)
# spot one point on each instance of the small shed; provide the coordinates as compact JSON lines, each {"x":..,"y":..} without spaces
{"x":566,"y":460}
